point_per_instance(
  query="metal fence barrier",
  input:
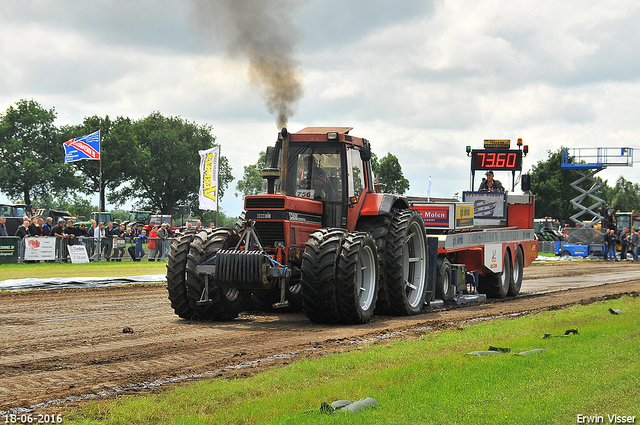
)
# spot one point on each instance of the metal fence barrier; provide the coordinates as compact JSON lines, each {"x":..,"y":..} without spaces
{"x":98,"y":249}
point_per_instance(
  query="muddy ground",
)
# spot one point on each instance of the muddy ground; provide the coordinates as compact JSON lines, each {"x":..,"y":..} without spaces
{"x":69,"y":344}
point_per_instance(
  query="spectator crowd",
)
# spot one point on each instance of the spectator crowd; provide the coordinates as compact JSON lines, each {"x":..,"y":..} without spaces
{"x":111,"y":242}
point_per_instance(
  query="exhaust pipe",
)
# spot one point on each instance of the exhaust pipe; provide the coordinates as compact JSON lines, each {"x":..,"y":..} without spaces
{"x":285,"y":160}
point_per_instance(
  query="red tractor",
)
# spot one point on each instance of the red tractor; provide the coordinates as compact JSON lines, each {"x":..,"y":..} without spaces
{"x":322,"y":239}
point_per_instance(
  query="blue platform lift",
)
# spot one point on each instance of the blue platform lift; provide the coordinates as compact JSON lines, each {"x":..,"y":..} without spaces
{"x":588,"y":162}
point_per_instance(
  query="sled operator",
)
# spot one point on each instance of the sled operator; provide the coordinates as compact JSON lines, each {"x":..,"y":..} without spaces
{"x":490,"y":184}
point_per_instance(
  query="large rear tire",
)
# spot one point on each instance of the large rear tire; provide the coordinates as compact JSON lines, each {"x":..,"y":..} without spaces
{"x":176,"y":276}
{"x":318,"y":281}
{"x":357,"y":279}
{"x":226,"y":303}
{"x":378,"y":227}
{"x":406,"y":264}
{"x":517,"y":275}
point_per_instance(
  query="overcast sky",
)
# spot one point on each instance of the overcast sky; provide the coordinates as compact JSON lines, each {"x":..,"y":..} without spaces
{"x":419,"y":79}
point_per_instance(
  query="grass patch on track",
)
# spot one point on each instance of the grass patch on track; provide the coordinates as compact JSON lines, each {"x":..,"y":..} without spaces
{"x":429,"y":380}
{"x":94,"y":269}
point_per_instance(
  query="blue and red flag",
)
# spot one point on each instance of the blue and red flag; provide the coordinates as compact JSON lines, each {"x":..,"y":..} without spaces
{"x":85,"y":147}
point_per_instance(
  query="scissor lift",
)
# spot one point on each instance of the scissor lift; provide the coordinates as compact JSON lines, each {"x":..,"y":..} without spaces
{"x":588,"y":162}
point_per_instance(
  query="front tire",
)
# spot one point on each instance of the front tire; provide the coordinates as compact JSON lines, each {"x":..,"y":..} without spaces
{"x":318,"y":281}
{"x":226,"y":303}
{"x":176,"y":276}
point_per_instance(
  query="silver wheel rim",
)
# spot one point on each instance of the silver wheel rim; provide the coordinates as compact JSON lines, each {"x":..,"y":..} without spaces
{"x":231,"y":294}
{"x":505,"y":270}
{"x":516,"y":270}
{"x":414,"y":257}
{"x":446,"y":283}
{"x":366,"y":280}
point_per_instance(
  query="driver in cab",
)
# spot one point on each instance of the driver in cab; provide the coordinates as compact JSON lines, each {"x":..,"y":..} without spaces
{"x":490,"y":184}
{"x":314,"y":177}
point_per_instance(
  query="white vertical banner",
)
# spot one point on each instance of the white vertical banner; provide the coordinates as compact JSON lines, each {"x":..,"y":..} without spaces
{"x":209,"y":161}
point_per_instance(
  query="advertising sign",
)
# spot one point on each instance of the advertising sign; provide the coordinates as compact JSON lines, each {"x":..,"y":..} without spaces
{"x":40,"y":248}
{"x":8,"y":250}
{"x":78,"y":254}
{"x":487,"y":204}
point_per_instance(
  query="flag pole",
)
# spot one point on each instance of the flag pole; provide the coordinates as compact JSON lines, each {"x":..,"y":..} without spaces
{"x":218,"y":188}
{"x":102,"y":206}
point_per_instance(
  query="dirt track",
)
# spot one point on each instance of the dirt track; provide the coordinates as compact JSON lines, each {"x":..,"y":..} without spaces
{"x":66,"y":343}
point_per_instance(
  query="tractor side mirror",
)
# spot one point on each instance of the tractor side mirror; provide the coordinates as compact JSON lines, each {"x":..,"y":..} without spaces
{"x":365,"y":152}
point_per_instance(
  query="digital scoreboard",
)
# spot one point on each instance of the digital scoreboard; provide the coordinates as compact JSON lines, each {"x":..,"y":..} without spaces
{"x":496,"y":159}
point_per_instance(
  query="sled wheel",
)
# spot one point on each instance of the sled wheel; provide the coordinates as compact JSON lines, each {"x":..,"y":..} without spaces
{"x":444,"y":288}
{"x":517,"y":275}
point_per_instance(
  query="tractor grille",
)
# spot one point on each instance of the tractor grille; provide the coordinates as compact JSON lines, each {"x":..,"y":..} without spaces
{"x":266,"y":203}
{"x":269,"y":232}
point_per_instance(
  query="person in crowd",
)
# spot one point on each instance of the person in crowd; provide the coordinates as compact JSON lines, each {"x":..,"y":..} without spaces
{"x":612,"y":245}
{"x":22,"y":232}
{"x":624,"y":243}
{"x":90,"y":241}
{"x":61,"y":239}
{"x":490,"y":184}
{"x":3,"y":226}
{"x":107,"y":242}
{"x":198,"y":225}
{"x":607,"y":244}
{"x":635,"y":240}
{"x":119,"y":243}
{"x":163,"y":237}
{"x":153,"y":244}
{"x":47,"y":226}
{"x":212,"y":225}
{"x":139,"y":244}
{"x":128,"y":235}
{"x":34,"y":228}
{"x":81,"y":233}
{"x":71,"y":232}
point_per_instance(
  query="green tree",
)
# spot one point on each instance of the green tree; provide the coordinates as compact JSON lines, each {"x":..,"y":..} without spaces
{"x":251,"y":182}
{"x":625,"y":196}
{"x":389,"y":172}
{"x":164,"y":170}
{"x":31,"y":157}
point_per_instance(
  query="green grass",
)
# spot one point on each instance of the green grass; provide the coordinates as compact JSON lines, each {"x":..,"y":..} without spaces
{"x":95,"y":269}
{"x":429,"y":380}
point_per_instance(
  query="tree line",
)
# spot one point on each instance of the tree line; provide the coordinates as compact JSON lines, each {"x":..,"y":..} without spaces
{"x":152,"y":161}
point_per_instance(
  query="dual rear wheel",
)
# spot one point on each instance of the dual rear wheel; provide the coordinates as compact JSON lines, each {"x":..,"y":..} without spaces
{"x":347,"y":275}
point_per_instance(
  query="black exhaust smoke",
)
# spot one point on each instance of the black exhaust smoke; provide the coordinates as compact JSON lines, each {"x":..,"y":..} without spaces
{"x":262,"y":32}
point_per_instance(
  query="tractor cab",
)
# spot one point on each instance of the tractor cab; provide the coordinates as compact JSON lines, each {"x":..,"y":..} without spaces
{"x":325,"y":168}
